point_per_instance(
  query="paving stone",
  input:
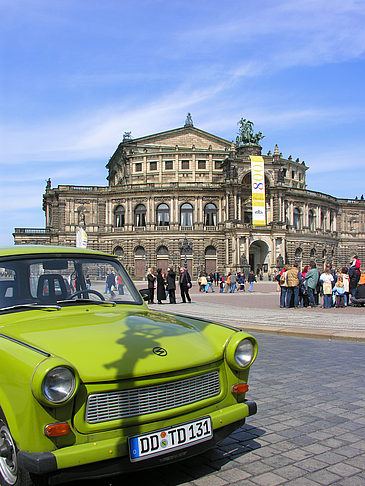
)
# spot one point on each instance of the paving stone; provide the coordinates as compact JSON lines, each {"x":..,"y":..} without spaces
{"x":289,"y":472}
{"x":211,"y":480}
{"x":330,"y":457}
{"x":268,"y":479}
{"x":323,"y":477}
{"x":233,"y":475}
{"x":344,"y":470}
{"x":311,"y":464}
{"x":301,"y":482}
{"x":297,"y":454}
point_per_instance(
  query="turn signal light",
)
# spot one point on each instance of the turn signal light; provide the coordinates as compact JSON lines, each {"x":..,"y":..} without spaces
{"x":56,"y":430}
{"x":239,"y":388}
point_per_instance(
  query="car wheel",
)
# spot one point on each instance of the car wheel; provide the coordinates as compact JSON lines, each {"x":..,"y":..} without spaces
{"x":10,"y":473}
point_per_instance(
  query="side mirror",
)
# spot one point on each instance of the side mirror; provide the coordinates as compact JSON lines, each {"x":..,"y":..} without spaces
{"x":144,"y":293}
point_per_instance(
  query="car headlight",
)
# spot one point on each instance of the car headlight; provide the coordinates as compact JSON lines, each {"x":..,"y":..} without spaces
{"x":58,"y":385}
{"x":244,"y":353}
{"x":54,"y":382}
{"x":241,"y":351}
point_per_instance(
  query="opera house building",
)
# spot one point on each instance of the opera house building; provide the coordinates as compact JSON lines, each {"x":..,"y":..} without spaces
{"x":188,"y":196}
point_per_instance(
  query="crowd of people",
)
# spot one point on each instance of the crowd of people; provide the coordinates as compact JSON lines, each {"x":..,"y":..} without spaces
{"x":333,"y":288}
{"x":233,"y":282}
{"x":165,"y":285}
{"x":307,"y":288}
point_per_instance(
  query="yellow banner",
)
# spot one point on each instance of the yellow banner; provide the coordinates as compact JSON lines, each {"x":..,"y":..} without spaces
{"x":258,"y":190}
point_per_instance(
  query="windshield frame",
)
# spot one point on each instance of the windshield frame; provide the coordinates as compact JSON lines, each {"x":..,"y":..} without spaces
{"x":77,"y":258}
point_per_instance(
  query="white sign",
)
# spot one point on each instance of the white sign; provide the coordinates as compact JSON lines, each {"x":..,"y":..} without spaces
{"x":81,"y":238}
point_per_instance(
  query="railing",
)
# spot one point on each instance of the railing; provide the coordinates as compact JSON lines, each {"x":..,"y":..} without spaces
{"x":38,"y":231}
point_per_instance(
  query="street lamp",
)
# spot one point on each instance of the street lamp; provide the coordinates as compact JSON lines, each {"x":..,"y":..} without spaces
{"x":186,"y":248}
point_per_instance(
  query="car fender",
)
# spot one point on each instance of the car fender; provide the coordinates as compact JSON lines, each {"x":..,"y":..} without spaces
{"x":22,"y":411}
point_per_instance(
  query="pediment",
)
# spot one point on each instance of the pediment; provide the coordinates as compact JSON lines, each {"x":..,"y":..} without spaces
{"x":185,"y":137}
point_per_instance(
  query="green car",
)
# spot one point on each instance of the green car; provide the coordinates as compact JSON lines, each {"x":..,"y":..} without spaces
{"x":93,"y":383}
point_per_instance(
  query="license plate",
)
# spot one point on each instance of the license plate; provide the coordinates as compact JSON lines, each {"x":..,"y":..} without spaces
{"x":177,"y":437}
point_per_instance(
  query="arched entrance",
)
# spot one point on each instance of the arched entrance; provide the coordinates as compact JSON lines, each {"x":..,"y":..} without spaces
{"x":259,"y":256}
{"x":210,"y":259}
{"x":163,"y":258}
{"x":139,"y":262}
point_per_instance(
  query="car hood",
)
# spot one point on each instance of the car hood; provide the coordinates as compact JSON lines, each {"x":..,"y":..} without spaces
{"x":106,"y":344}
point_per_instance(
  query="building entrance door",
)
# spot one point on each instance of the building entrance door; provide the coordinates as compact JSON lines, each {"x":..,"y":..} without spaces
{"x":259,"y":256}
{"x":140,"y":268}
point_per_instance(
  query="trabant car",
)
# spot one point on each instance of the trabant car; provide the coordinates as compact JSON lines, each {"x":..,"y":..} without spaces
{"x":93,"y":383}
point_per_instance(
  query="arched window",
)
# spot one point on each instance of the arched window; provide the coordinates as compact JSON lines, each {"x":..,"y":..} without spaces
{"x":311,"y":220}
{"x":186,"y":215}
{"x":140,"y":215}
{"x":163,"y":215}
{"x":119,"y":252}
{"x":210,"y":250}
{"x":313,"y":254}
{"x":298,"y":256}
{"x":139,"y":251}
{"x":119,"y":217}
{"x":162,"y":251}
{"x":210,"y":214}
{"x":323,"y":219}
{"x":296,"y":218}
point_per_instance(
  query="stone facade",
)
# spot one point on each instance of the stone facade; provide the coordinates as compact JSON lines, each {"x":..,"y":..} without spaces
{"x":187,"y":183}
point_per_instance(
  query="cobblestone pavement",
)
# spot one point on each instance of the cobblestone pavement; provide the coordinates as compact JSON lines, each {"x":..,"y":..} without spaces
{"x":260,"y":311}
{"x":309,"y":429}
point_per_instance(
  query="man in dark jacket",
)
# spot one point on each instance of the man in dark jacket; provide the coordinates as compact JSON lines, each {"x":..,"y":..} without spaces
{"x":185,"y":285}
{"x":171,"y":284}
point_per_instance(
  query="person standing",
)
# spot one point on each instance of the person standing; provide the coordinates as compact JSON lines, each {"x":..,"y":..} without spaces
{"x":209,"y":283}
{"x":294,"y":278}
{"x":251,"y":279}
{"x":120,"y":285}
{"x":312,"y":277}
{"x":228,"y":283}
{"x":327,"y":280}
{"x":283,"y":282}
{"x":151,"y":285}
{"x":110,"y":283}
{"x":171,"y":285}
{"x":233,"y":283}
{"x":354,"y":274}
{"x":346,"y":283}
{"x":185,"y":285}
{"x":161,"y":292}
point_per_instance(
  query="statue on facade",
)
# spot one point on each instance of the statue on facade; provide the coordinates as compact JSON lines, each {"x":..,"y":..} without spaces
{"x":280,"y":262}
{"x":48,"y":184}
{"x":281,"y":175}
{"x":246,"y":134}
{"x":188,"y":121}
{"x":81,"y":217}
{"x":230,"y":168}
{"x":127,"y":136}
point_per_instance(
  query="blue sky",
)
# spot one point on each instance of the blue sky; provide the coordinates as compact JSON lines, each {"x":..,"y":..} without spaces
{"x":77,"y":74}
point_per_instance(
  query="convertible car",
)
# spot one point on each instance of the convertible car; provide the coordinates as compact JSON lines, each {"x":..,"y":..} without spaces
{"x":93,"y":383}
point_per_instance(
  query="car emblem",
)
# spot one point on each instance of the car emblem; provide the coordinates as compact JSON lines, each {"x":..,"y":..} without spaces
{"x":159,"y":351}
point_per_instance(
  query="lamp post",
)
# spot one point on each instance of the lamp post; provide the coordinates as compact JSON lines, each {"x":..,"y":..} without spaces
{"x":186,"y":247}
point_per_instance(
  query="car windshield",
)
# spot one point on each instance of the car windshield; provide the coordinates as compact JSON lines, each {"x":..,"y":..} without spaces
{"x":64,"y":280}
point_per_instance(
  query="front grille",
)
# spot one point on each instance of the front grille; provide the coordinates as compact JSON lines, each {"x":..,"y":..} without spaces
{"x":102,"y":407}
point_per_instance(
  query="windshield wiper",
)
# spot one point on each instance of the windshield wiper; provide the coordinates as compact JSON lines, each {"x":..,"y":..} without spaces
{"x":33,"y":305}
{"x":87,"y":301}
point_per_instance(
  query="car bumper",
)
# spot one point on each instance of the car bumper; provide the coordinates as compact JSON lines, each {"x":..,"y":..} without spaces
{"x":102,"y":459}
